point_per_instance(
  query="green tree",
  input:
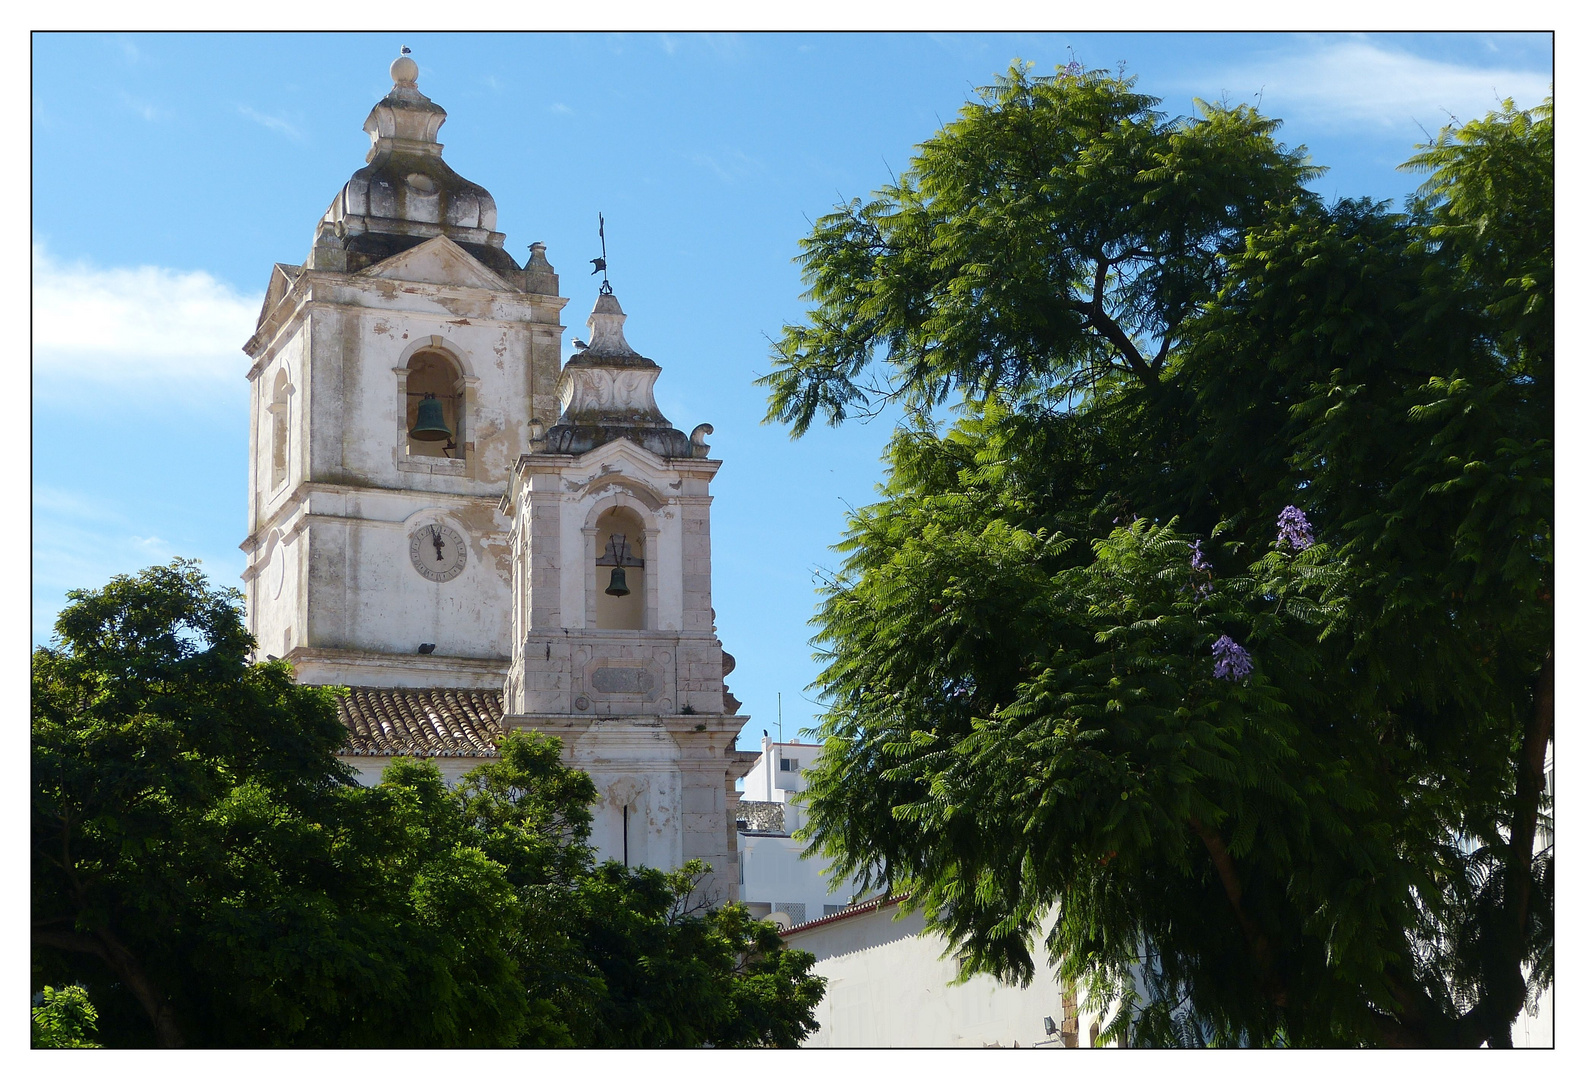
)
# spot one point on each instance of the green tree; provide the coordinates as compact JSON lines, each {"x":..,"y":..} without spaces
{"x":620,"y":956}
{"x":205,"y":867}
{"x":1059,"y":232}
{"x":212,"y":876}
{"x":1027,"y":663}
{"x":64,"y":1019}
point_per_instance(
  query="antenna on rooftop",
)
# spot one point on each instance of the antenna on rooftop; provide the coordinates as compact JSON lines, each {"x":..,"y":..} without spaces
{"x":778,"y":716}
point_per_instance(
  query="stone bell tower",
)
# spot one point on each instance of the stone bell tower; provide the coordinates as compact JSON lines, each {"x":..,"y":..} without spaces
{"x":613,"y":637}
{"x":377,"y":553}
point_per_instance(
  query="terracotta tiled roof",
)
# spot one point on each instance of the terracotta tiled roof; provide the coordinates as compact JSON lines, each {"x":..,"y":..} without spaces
{"x":848,"y":913}
{"x":432,"y":722}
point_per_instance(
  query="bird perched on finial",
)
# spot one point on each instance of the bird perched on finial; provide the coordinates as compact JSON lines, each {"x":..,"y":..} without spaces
{"x":579,"y":343}
{"x":406,"y":51}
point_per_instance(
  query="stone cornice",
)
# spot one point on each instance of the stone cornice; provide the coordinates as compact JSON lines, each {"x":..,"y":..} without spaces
{"x":423,"y":668}
{"x":294,"y":501}
{"x":304,"y":294}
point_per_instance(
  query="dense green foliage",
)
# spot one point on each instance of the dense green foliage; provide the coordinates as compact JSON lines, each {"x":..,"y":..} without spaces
{"x":64,"y":1019}
{"x":212,"y":876}
{"x":1029,"y":708}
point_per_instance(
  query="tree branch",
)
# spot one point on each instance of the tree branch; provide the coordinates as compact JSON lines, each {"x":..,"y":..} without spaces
{"x":1108,"y":329}
{"x":119,"y":959}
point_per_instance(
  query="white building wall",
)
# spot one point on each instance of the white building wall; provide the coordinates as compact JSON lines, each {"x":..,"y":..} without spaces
{"x":773,"y":868}
{"x":329,"y":570}
{"x":889,"y":986}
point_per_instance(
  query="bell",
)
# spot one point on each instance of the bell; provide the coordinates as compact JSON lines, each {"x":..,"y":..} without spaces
{"x":618,"y":586}
{"x":431,"y":425}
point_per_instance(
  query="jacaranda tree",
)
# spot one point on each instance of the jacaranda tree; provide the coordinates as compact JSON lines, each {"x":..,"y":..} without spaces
{"x":1220,"y":623}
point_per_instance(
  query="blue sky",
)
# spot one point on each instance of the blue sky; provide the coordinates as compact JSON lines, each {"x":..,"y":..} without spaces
{"x":171,"y":171}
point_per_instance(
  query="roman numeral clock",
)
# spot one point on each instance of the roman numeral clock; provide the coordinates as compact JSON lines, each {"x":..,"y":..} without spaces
{"x":437,"y":552}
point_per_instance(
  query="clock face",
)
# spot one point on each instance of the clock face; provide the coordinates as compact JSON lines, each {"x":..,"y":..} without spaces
{"x":437,"y":552}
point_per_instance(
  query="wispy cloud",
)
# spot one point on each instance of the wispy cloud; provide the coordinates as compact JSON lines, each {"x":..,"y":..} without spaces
{"x":129,"y":326}
{"x":560,"y":107}
{"x":82,"y":543}
{"x":139,"y":107}
{"x":726,"y":46}
{"x":274,"y":123}
{"x":1354,"y":80}
{"x":730,"y":165}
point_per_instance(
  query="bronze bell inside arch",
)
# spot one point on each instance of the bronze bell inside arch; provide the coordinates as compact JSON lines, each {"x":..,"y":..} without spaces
{"x":431,"y":423}
{"x":618,"y":586}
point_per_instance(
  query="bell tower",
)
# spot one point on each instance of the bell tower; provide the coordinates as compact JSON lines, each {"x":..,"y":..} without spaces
{"x":397,"y":376}
{"x":613,"y":637}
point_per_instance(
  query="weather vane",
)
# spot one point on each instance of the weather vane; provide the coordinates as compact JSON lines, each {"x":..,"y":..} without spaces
{"x":599,"y":264}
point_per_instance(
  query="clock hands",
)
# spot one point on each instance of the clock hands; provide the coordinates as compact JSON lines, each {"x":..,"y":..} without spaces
{"x":440,"y":545}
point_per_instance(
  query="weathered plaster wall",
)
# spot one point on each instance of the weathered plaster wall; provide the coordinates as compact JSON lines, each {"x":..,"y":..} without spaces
{"x":331,"y":543}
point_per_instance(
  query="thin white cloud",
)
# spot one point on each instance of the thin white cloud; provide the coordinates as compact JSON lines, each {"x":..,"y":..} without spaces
{"x":81,"y":542}
{"x":147,"y":111}
{"x":730,"y":165}
{"x":146,"y":325}
{"x":1356,"y":80}
{"x":274,"y":123}
{"x":559,"y":107}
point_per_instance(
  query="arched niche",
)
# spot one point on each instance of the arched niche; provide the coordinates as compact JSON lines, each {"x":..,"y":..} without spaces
{"x":619,"y":540}
{"x":434,"y":371}
{"x":280,"y":430}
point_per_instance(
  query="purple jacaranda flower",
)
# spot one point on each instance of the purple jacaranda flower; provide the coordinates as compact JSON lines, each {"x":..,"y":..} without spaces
{"x":1232,"y":661}
{"x":1197,"y":561}
{"x":1293,"y":529}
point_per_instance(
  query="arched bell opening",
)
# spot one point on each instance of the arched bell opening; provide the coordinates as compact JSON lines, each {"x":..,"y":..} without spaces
{"x":619,"y":570}
{"x":434,"y":406}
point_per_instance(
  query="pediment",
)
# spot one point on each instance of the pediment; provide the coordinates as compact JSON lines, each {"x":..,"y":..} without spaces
{"x":438,"y":261}
{"x":600,"y":460}
{"x":282,"y":278}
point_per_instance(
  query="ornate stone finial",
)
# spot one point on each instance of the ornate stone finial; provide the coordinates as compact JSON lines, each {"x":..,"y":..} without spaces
{"x":404,"y":69}
{"x":605,"y":328}
{"x":607,"y":392}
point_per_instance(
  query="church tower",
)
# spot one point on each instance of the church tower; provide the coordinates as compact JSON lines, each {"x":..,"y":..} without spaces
{"x":397,"y":376}
{"x":421,"y":533}
{"x":614,"y":645}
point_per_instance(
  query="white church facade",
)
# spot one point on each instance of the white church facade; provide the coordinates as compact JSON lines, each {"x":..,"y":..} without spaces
{"x":471,"y":536}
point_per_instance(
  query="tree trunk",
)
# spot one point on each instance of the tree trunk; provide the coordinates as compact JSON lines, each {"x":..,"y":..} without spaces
{"x":1259,"y":944}
{"x":124,"y":965}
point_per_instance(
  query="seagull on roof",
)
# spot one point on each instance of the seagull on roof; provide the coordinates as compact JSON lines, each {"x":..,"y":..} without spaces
{"x":579,"y":343}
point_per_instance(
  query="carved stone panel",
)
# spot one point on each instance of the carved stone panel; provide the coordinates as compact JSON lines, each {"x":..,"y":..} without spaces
{"x":622,"y":680}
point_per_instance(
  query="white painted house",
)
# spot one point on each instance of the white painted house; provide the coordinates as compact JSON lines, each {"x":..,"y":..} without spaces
{"x":776,"y":879}
{"x":889,"y":984}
